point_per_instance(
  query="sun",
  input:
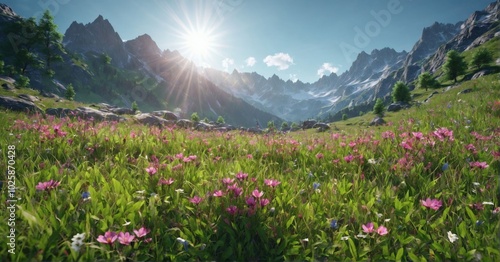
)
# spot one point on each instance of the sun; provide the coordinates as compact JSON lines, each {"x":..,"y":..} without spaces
{"x":199,"y":43}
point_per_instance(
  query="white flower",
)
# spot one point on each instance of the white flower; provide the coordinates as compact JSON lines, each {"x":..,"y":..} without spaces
{"x":126,"y":223}
{"x":379,"y":215}
{"x":488,"y":203}
{"x":452,"y":237}
{"x":305,"y":240}
{"x":372,"y":161}
{"x":179,"y":191}
{"x":76,"y":246}
{"x":361,"y":236}
{"x":181,"y":240}
{"x":387,"y":220}
{"x":140,"y":192}
{"x":476,"y":184}
{"x":344,"y":238}
{"x":78,"y":237}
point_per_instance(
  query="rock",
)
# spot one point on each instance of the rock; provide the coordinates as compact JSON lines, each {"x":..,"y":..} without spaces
{"x":149,"y":119}
{"x":18,"y":104}
{"x":394,"y":107}
{"x":91,"y":113}
{"x":377,"y":121}
{"x":255,"y":130}
{"x":321,"y":127}
{"x":59,"y":112}
{"x":481,"y":74}
{"x":29,"y":98}
{"x":49,"y":95}
{"x":465,"y":91}
{"x":122,"y":111}
{"x":166,"y":115}
{"x":308,"y":124}
{"x":184,"y":123}
{"x":202,"y":126}
{"x":8,"y":86}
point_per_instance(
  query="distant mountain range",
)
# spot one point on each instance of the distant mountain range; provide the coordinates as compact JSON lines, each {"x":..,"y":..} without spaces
{"x":140,"y":71}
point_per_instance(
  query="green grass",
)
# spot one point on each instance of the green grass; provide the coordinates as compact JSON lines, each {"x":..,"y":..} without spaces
{"x":350,"y":176}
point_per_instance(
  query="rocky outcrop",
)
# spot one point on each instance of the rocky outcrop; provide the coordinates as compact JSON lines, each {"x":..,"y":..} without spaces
{"x":321,"y":127}
{"x":377,"y":121}
{"x":84,"y":113}
{"x":308,"y":124}
{"x":166,"y":115}
{"x":19,"y":105}
{"x":29,"y":98}
{"x":149,"y":119}
{"x":394,"y":107}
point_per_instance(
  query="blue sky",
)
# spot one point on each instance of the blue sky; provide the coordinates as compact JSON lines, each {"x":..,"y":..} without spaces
{"x":294,"y":39}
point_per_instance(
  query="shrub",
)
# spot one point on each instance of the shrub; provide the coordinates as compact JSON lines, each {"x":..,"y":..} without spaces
{"x":481,"y":58}
{"x":70,"y":92}
{"x":379,"y":107}
{"x":425,"y":80}
{"x":195,"y":117}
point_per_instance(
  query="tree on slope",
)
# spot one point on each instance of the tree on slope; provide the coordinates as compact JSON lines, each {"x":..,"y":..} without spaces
{"x":454,"y":66}
{"x":481,"y":58}
{"x":425,"y":80}
{"x":401,"y":92}
{"x":50,"y":40}
{"x":379,"y":107}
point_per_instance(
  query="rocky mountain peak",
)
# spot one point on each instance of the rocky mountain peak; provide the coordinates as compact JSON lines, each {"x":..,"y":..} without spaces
{"x":143,"y":46}
{"x":6,"y":13}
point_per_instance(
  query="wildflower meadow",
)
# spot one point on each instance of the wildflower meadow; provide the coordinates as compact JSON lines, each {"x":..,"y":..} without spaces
{"x":424,"y":187}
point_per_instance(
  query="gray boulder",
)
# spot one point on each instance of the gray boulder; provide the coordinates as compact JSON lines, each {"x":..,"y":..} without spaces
{"x":377,"y":121}
{"x":308,"y":124}
{"x":166,"y":115}
{"x":202,"y":126}
{"x":465,"y":91}
{"x":149,"y":119}
{"x":122,"y":111}
{"x":321,"y":127}
{"x":481,"y":73}
{"x":59,"y":112}
{"x":394,"y":107}
{"x":29,"y":98}
{"x":18,"y":104}
{"x":184,"y":123}
{"x":91,"y":113}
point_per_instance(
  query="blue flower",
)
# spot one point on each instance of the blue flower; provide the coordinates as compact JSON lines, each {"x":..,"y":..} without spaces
{"x":316,"y":185}
{"x":445,"y":167}
{"x":334,"y":224}
{"x":85,"y":195}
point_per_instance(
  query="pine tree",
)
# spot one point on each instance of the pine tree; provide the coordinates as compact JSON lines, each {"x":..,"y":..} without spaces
{"x":454,"y":66}
{"x":23,"y":39}
{"x":425,"y":80}
{"x":195,"y":117}
{"x":70,"y":92}
{"x":379,"y":107}
{"x":481,"y":58}
{"x":135,"y":107}
{"x":401,"y":92}
{"x":50,"y":40}
{"x":220,"y":120}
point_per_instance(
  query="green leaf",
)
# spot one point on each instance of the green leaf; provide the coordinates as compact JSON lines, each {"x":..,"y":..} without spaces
{"x":400,"y":254}
{"x":413,"y":257}
{"x":352,"y":249}
{"x":470,"y":214}
{"x":462,"y":229}
{"x":290,"y":221}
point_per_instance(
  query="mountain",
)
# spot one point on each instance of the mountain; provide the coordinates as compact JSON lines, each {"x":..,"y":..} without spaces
{"x":370,"y":76}
{"x":296,"y":101}
{"x":176,"y":82}
{"x":480,"y":27}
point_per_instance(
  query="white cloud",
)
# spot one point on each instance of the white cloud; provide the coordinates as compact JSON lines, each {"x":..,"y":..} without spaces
{"x":227,"y":62}
{"x":250,"y":61}
{"x":327,"y":67}
{"x":281,"y":60}
{"x":293,"y":78}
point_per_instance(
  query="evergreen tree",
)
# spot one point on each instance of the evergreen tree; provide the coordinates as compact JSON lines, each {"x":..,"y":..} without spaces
{"x":454,"y":66}
{"x":270,"y":125}
{"x":70,"y":92}
{"x":401,"y":92}
{"x":195,"y":117}
{"x":284,"y":126}
{"x":22,"y":81}
{"x":344,"y":117}
{"x":135,"y":107}
{"x":2,"y":64}
{"x":23,"y":38}
{"x":379,"y":107}
{"x":220,"y":120}
{"x":481,"y":58}
{"x":50,"y":40}
{"x":425,"y":80}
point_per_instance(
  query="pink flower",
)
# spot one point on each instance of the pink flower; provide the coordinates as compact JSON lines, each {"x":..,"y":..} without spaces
{"x":125,"y":238}
{"x":481,"y":165}
{"x":431,"y":203}
{"x":151,"y":170}
{"x":250,"y":201}
{"x":195,"y":200}
{"x":141,"y":232}
{"x":232,"y":210}
{"x":319,"y":156}
{"x":417,"y":135}
{"x":227,"y":181}
{"x":49,"y":185}
{"x":381,"y":230}
{"x":164,"y":181}
{"x":348,"y":158}
{"x":241,"y":176}
{"x":264,"y":202}
{"x":108,"y":238}
{"x":257,"y":194}
{"x":271,"y":182}
{"x":249,"y":156}
{"x":368,"y":228}
{"x":218,"y":193}
{"x":179,"y":156}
